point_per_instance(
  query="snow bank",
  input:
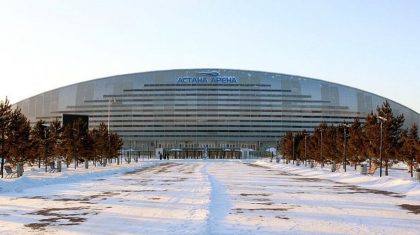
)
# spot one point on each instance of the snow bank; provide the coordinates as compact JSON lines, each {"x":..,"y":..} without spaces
{"x":32,"y":179}
{"x":398,"y":181}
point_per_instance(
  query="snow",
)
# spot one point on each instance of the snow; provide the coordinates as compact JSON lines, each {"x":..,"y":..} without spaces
{"x":220,"y":205}
{"x":398,"y":181}
{"x":209,"y":197}
{"x":273,"y":150}
{"x":34,"y":177}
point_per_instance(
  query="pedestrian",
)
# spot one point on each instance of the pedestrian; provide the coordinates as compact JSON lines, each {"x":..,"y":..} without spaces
{"x":167,"y":156}
{"x":160,"y":155}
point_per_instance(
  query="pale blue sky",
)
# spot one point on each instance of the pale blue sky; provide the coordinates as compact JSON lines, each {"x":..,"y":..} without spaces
{"x":370,"y":45}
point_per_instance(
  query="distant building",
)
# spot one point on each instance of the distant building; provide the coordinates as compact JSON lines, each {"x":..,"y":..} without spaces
{"x":221,"y":108}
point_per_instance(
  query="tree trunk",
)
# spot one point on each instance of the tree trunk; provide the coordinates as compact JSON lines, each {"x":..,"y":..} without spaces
{"x":101,"y":159}
{"x":411,"y":166}
{"x":386,"y":167}
{"x":355,"y":165}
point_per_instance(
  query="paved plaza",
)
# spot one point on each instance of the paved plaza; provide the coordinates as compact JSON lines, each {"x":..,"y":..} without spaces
{"x":214,"y":197}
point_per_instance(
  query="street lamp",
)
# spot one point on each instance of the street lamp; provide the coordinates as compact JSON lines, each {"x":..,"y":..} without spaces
{"x":2,"y":144}
{"x":293,"y":150}
{"x":129,"y":153}
{"x":110,"y":101}
{"x":306,"y":160}
{"x":322,"y":158}
{"x":76,"y":160}
{"x":46,"y":126}
{"x":382,"y":119}
{"x":345,"y":138}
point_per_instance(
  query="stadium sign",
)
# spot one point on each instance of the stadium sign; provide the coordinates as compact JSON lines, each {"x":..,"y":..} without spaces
{"x":209,"y":77}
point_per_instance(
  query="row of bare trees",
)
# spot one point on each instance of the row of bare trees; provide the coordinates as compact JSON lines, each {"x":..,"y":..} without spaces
{"x":357,"y":142}
{"x":43,"y":143}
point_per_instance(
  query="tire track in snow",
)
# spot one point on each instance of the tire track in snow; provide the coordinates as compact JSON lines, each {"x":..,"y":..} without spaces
{"x":220,"y":205}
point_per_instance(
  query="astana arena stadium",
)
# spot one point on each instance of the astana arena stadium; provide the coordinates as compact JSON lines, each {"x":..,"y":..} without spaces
{"x":217,"y":110}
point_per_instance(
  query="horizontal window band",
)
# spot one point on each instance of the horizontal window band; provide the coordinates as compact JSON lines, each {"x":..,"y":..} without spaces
{"x":219,"y":121}
{"x":210,"y":126}
{"x":52,"y":117}
{"x":169,"y":109}
{"x":214,"y":112}
{"x":283,"y":106}
{"x":187,"y":105}
{"x":211,"y":115}
{"x":206,"y":84}
{"x":203,"y":131}
{"x":205,"y":89}
{"x":205,"y":136}
{"x":200,"y":94}
{"x":287,"y":119}
{"x":209,"y":100}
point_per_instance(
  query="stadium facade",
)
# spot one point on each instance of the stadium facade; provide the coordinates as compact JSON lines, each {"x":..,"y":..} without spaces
{"x":223,"y":109}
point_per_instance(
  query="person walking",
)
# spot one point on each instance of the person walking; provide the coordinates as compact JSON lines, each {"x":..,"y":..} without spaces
{"x":160,"y":155}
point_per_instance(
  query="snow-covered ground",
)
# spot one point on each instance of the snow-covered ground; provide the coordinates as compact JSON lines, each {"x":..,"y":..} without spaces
{"x":398,"y":180}
{"x":209,"y":197}
{"x":35,"y":177}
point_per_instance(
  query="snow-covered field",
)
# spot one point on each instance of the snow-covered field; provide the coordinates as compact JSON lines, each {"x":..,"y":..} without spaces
{"x":209,"y":197}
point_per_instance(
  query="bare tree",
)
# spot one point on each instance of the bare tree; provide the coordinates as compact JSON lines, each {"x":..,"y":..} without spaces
{"x":330,"y":140}
{"x":116,"y":144}
{"x":54,"y":139}
{"x":37,"y":139}
{"x":101,"y":140}
{"x":67,"y":145}
{"x":83,"y":144}
{"x":391,"y":133}
{"x":410,"y":146}
{"x":372,"y":133}
{"x":302,"y":145}
{"x":357,"y":150}
{"x":18,"y":135}
{"x":5,"y":112}
{"x":286,"y":145}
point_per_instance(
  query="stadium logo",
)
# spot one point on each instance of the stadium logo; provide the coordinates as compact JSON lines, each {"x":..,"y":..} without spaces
{"x":215,"y":78}
{"x":211,"y":74}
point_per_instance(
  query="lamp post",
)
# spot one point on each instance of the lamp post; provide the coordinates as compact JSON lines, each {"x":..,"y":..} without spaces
{"x":110,"y":101}
{"x":345,"y":139}
{"x":76,"y":160}
{"x":382,"y":119}
{"x":293,"y":150}
{"x":46,"y":126}
{"x":322,"y":158}
{"x":129,"y":153}
{"x":2,"y":144}
{"x":306,"y":160}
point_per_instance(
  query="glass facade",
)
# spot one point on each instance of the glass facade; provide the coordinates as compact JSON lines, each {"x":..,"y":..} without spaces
{"x":216,"y":107}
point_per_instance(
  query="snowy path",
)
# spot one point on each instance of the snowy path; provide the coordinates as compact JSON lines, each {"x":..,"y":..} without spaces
{"x":219,"y":207}
{"x":198,"y":197}
{"x":162,"y":199}
{"x":268,"y":201}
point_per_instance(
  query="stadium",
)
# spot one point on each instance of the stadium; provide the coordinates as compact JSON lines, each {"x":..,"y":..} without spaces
{"x":220,"y":110}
